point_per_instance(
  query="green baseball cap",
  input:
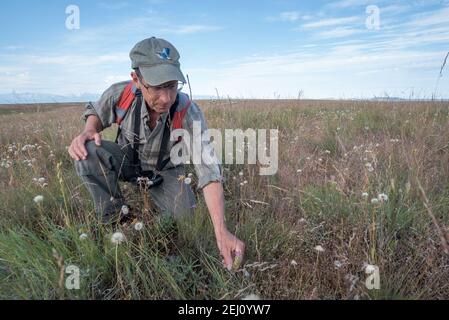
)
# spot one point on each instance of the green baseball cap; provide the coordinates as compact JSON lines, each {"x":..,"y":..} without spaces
{"x":157,"y":60}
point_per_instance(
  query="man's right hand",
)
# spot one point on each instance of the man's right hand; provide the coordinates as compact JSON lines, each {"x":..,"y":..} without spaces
{"x":77,"y":149}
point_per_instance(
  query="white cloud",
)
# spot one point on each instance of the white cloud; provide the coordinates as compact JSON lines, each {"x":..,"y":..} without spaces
{"x":352,"y":3}
{"x":190,"y":29}
{"x":440,"y":16}
{"x":332,"y":22}
{"x":290,"y":16}
{"x":338,"y":32}
{"x":113,"y":5}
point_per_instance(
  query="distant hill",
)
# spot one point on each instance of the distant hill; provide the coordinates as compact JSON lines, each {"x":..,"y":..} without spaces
{"x":17,"y":98}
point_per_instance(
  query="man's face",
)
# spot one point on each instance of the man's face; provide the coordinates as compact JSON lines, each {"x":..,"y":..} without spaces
{"x":158,"y":98}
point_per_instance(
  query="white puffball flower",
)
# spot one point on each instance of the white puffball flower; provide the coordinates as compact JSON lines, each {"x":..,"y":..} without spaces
{"x":190,"y":175}
{"x":370,"y":268}
{"x":293,"y":263}
{"x":41,"y":180}
{"x":382,"y":197}
{"x":38,"y":199}
{"x":251,"y":296}
{"x":187,"y":180}
{"x":365,"y":194}
{"x":138,"y":226}
{"x":319,"y":248}
{"x":374,"y":200}
{"x":83,"y":236}
{"x":241,"y":173}
{"x":117,"y":238}
{"x":125,"y":209}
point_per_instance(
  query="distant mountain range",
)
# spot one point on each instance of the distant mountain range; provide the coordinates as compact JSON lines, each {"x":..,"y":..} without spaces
{"x":26,"y":98}
{"x":17,"y":98}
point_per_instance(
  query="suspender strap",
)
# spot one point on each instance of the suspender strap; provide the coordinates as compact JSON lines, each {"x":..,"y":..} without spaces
{"x":166,"y":137}
{"x":135,"y":156}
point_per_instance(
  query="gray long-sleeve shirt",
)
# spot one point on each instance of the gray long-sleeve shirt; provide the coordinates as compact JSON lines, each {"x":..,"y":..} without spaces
{"x":150,"y":140}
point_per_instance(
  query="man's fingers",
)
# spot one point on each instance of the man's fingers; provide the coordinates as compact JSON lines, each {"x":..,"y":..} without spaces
{"x":227,"y":259}
{"x":239,"y":249}
{"x":97,"y":138}
{"x":80,"y":149}
{"x":72,"y":155}
{"x":73,"y":152}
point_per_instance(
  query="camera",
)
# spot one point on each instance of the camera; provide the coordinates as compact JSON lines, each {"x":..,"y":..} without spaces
{"x":148,"y":179}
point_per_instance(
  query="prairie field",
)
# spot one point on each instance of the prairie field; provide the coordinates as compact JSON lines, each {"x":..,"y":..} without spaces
{"x":359,"y":184}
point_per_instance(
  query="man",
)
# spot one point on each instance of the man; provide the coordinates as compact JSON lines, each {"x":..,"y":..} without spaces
{"x":144,"y":109}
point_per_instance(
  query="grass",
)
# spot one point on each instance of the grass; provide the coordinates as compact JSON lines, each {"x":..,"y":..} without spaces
{"x":314,"y":199}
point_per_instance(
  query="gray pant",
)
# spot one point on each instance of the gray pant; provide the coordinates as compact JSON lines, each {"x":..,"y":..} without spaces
{"x":108,"y":163}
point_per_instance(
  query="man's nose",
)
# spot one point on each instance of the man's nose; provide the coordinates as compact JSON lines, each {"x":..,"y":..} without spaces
{"x":164,"y":96}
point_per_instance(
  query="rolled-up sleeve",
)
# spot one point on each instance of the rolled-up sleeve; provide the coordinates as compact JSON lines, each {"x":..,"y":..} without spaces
{"x":104,"y":108}
{"x":209,"y":171}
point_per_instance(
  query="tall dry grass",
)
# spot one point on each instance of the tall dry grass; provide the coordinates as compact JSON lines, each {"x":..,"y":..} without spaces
{"x":330,"y":153}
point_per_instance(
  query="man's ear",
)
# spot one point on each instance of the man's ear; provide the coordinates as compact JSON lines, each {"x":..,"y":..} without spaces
{"x":135,"y":79}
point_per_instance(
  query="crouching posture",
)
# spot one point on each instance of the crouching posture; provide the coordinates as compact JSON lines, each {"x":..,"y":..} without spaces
{"x":147,"y":109}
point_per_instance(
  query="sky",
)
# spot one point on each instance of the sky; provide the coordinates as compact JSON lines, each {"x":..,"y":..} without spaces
{"x":241,"y":49}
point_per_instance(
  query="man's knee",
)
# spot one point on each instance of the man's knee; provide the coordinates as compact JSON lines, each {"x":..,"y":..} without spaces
{"x":97,"y":160}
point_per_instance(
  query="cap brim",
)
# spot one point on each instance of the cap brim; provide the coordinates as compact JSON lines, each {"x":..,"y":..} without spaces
{"x":162,"y":73}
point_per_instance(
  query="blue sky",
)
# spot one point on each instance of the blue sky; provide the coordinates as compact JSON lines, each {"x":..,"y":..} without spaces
{"x":246,"y":49}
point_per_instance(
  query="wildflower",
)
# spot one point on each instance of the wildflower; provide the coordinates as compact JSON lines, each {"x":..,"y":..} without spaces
{"x":319,"y":248}
{"x":299,"y":170}
{"x":337,"y":264}
{"x":320,"y":160}
{"x":124,"y":210}
{"x":293,"y":263}
{"x":117,"y":238}
{"x":365,"y":194}
{"x":369,"y":268}
{"x":251,"y":296}
{"x":245,"y":182}
{"x":374,"y":200}
{"x":187,"y":180}
{"x":138,"y":226}
{"x":83,"y":236}
{"x":41,"y":180}
{"x":369,"y":166}
{"x":241,"y":173}
{"x":190,"y":175}
{"x":327,"y":151}
{"x":382,"y":197}
{"x":38,"y":199}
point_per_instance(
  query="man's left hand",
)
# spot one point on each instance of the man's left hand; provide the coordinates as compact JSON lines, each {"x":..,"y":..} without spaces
{"x":230,"y":248}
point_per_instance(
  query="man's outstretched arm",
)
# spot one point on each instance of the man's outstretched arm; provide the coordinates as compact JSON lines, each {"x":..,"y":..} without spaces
{"x":228,"y":244}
